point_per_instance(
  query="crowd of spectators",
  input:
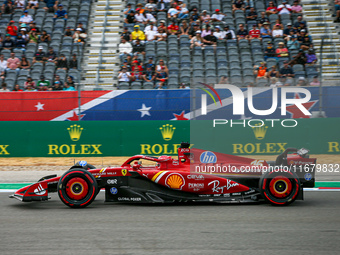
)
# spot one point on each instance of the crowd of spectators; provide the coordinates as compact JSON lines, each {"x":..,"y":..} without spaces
{"x":24,"y":32}
{"x":282,"y":43}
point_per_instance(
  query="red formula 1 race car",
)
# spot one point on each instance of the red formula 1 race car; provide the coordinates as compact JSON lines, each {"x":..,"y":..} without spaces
{"x":196,"y":176}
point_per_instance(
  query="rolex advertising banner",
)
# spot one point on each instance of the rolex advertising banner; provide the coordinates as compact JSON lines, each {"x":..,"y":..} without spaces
{"x":127,"y":138}
{"x":91,"y":138}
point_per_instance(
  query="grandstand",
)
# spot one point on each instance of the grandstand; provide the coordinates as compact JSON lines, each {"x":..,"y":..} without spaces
{"x":235,"y":60}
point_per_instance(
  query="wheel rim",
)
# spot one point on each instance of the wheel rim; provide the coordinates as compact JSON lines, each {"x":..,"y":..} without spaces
{"x":77,"y":188}
{"x":280,"y":187}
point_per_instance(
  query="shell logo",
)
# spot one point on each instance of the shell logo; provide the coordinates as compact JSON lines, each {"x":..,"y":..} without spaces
{"x":175,"y":181}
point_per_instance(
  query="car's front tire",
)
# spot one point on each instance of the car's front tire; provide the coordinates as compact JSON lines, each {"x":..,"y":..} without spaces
{"x":77,"y":188}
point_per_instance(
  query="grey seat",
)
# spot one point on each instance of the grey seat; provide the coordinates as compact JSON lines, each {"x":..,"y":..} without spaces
{"x":148,"y":85}
{"x":123,"y":86}
{"x":136,"y":85}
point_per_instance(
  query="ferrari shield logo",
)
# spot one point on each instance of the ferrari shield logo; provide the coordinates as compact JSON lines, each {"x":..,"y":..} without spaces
{"x":124,"y":172}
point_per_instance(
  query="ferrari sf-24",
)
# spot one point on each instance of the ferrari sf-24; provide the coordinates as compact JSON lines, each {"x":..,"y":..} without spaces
{"x":195,"y":176}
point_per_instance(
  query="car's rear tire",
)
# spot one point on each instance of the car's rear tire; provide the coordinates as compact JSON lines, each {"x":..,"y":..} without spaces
{"x":77,"y":188}
{"x":280,"y":187}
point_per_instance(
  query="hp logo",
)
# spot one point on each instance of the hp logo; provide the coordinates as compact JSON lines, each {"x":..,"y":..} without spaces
{"x":208,"y":157}
{"x":308,"y":176}
{"x":114,"y":191}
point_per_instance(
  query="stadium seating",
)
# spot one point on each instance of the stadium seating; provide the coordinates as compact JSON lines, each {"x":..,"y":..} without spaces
{"x":78,"y":11}
{"x":232,"y":58}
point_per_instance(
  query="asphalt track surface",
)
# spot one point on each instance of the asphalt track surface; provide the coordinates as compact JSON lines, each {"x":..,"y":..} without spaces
{"x":311,"y":226}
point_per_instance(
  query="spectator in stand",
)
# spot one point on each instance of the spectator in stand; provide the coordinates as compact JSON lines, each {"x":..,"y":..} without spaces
{"x":197,"y":40}
{"x":163,"y":26}
{"x":24,"y":34}
{"x":184,"y":28}
{"x":20,"y":43}
{"x":151,"y":26}
{"x":127,"y":10}
{"x":151,"y":6}
{"x":12,"y":30}
{"x":284,"y":8}
{"x":300,"y":58}
{"x":151,"y":35}
{"x":33,"y":36}
{"x":337,"y":10}
{"x":315,"y":81}
{"x":274,"y":82}
{"x":287,"y":30}
{"x":124,"y":75}
{"x":184,"y":12}
{"x":4,"y":87}
{"x":69,"y":84}
{"x":218,"y":33}
{"x":26,"y":18}
{"x":311,"y":57}
{"x":302,"y":35}
{"x":251,"y":14}
{"x":296,"y":8}
{"x":51,"y":6}
{"x":194,"y":16}
{"x":206,"y":31}
{"x":137,"y":34}
{"x":242,"y":33}
{"x":13,"y":63}
{"x":173,"y":29}
{"x":20,"y":4}
{"x":8,"y":43}
{"x":24,"y":63}
{"x":33,"y":4}
{"x":130,"y":18}
{"x":204,"y":17}
{"x":306,"y":43}
{"x":8,"y":7}
{"x":161,"y":74}
{"x":68,"y":32}
{"x":286,"y":70}
{"x":17,"y":88}
{"x":162,"y":67}
{"x":301,"y":82}
{"x":126,"y":34}
{"x":273,"y":72}
{"x":262,"y":19}
{"x":150,"y":64}
{"x":60,"y":13}
{"x":261,"y":72}
{"x":61,"y":62}
{"x":73,"y":62}
{"x":292,"y":43}
{"x":254,"y":33}
{"x":265,"y":31}
{"x":57,"y":86}
{"x":79,"y":37}
{"x":126,"y":64}
{"x":149,"y":17}
{"x":282,"y":51}
{"x":271,"y":9}
{"x":29,"y":83}
{"x":217,"y":16}
{"x":161,"y":35}
{"x":57,"y":78}
{"x":298,"y":22}
{"x":138,"y":48}
{"x":192,"y":32}
{"x":277,"y":31}
{"x":42,"y":84}
{"x":125,"y":48}
{"x":45,"y":37}
{"x":228,"y":33}
{"x":173,"y":11}
{"x":269,"y":51}
{"x":238,"y":5}
{"x":149,"y":75}
{"x":210,"y":39}
{"x":136,"y":67}
{"x":51,"y":55}
{"x":162,"y":6}
{"x":33,"y":26}
{"x":3,"y":66}
{"x":136,"y":76}
{"x":39,"y":56}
